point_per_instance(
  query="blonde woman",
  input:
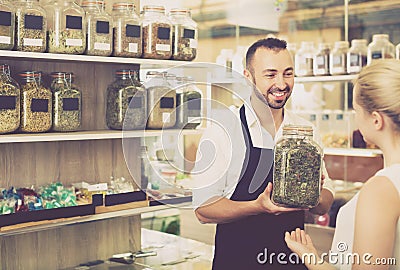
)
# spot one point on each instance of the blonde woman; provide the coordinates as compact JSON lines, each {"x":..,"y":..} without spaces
{"x":367,"y":232}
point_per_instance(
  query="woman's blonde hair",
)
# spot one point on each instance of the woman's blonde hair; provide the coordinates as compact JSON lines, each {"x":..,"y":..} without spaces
{"x":379,"y":89}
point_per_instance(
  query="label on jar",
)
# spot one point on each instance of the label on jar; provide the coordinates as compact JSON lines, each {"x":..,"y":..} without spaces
{"x":135,"y":102}
{"x":71,"y":104}
{"x":5,"y":18}
{"x":188,"y":33}
{"x":337,"y":60}
{"x":39,"y":105}
{"x":376,"y":55}
{"x":163,"y":33}
{"x":33,"y":42}
{"x":102,"y":46}
{"x":163,"y":47}
{"x":167,"y":103}
{"x":102,"y":27}
{"x":132,"y":30}
{"x":73,"y":42}
{"x":133,"y":47}
{"x":193,"y":44}
{"x":5,"y":40}
{"x":8,"y":102}
{"x":166,"y":117}
{"x":73,"y":22}
{"x":33,"y":22}
{"x":355,"y":64}
{"x":194,"y":104}
{"x":305,"y":66}
{"x":321,"y":61}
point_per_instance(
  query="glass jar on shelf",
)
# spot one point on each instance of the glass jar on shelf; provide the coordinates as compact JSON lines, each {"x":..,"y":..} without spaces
{"x":31,"y":26}
{"x":7,"y":25}
{"x":36,"y":103}
{"x":157,"y":33}
{"x":297,"y":168}
{"x":304,"y":59}
{"x":127,"y":30}
{"x":321,"y":60}
{"x":98,"y":28}
{"x":126,"y":105}
{"x":338,"y":58}
{"x":66,"y":30}
{"x":380,"y":48}
{"x":188,"y":104}
{"x":357,"y":56}
{"x":9,"y":101}
{"x":67,"y":102}
{"x":185,"y":34}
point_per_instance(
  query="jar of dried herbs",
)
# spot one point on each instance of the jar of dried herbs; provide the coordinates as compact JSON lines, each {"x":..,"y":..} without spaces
{"x":66,"y":31}
{"x":127,"y":30}
{"x":9,"y":101}
{"x":31,"y":26}
{"x":188,"y":104}
{"x":36,"y":103}
{"x":184,"y":34}
{"x":99,"y":28}
{"x":161,"y":103}
{"x":126,"y":106}
{"x":7,"y":25}
{"x":67,"y":102}
{"x":297,"y":168}
{"x":157,"y":34}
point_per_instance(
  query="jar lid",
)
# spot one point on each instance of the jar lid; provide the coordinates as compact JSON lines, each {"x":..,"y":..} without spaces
{"x":359,"y":42}
{"x":380,"y":36}
{"x":154,"y":8}
{"x":154,"y":74}
{"x":123,"y":4}
{"x":92,"y":3}
{"x":180,"y":11}
{"x":297,"y":129}
{"x":341,"y":44}
{"x":30,"y":74}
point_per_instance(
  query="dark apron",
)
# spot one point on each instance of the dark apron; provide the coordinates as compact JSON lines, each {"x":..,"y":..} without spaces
{"x":249,"y":243}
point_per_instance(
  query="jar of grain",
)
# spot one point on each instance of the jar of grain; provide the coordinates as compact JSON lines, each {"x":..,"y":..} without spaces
{"x":188,"y":104}
{"x":7,"y":25}
{"x":9,"y":101}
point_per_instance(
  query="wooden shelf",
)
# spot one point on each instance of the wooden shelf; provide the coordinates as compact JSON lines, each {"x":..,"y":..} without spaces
{"x":353,"y":152}
{"x":312,"y":79}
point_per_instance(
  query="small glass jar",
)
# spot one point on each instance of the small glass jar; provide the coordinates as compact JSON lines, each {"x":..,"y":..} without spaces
{"x":31,"y":26}
{"x":184,"y":34}
{"x":321,"y":60}
{"x":338,"y":58}
{"x":66,"y":31}
{"x":9,"y":101}
{"x":188,"y":104}
{"x":126,"y":105}
{"x":127,"y":30}
{"x":7,"y":25}
{"x":380,"y":48}
{"x":161,"y":101}
{"x":67,"y":102}
{"x":36,"y":103}
{"x":398,"y":51}
{"x":99,"y":28}
{"x":297,"y":168}
{"x":157,"y":34}
{"x":304,"y":59}
{"x":357,"y":56}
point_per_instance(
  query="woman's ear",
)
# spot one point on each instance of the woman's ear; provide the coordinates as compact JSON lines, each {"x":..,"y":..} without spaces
{"x":378,"y":120}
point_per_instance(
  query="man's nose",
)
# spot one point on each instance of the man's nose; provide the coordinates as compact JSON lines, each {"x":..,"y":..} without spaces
{"x":280,"y":82}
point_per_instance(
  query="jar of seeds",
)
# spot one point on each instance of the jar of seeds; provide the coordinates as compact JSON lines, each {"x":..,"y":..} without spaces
{"x":297,"y":168}
{"x":127,"y":30}
{"x":99,"y":28}
{"x":184,"y":34}
{"x":36,"y":103}
{"x":188,"y":104}
{"x":380,"y":48}
{"x":9,"y":101}
{"x":66,"y":31}
{"x":338,"y":58}
{"x":31,"y":26}
{"x":321,"y":60}
{"x":7,"y":25}
{"x":126,"y":105}
{"x":157,"y":34}
{"x":67,"y":102}
{"x":304,"y":59}
{"x":357,"y":56}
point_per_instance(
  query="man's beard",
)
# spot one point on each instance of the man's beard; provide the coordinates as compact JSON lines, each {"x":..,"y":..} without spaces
{"x":273,"y":104}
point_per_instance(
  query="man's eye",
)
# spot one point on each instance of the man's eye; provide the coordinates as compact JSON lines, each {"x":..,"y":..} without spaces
{"x":288,"y":74}
{"x":270,"y":75}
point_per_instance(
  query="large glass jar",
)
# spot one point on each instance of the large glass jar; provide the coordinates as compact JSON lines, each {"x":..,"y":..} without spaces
{"x":66,"y":31}
{"x":338,"y":58}
{"x":31,"y":26}
{"x":304,"y":59}
{"x":161,"y":101}
{"x":188,"y":104}
{"x":126,"y":105}
{"x":157,"y":34}
{"x":127,"y":30}
{"x":7,"y":25}
{"x":67,"y":102}
{"x":9,"y":101}
{"x":98,"y":28}
{"x":380,"y":48}
{"x":184,"y":34}
{"x":357,"y":56}
{"x":321,"y":60}
{"x":36,"y":103}
{"x":297,"y":168}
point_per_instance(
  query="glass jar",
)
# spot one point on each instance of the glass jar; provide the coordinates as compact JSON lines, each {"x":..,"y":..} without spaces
{"x":188,"y":104}
{"x":338,"y":58}
{"x":380,"y":48}
{"x":357,"y":56}
{"x":297,"y":168}
{"x":398,"y":51}
{"x":161,"y":99}
{"x":157,"y":34}
{"x":67,"y":103}
{"x":9,"y":101}
{"x":292,"y":48}
{"x":66,"y":31}
{"x":7,"y":25}
{"x":36,"y":103}
{"x":304,"y":59}
{"x":98,"y":28}
{"x":321,"y":60}
{"x":126,"y":105}
{"x":31,"y":26}
{"x":127,"y":30}
{"x":184,"y":34}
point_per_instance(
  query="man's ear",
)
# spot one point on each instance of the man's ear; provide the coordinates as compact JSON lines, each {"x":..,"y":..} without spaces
{"x":248,"y":75}
{"x":378,"y":120}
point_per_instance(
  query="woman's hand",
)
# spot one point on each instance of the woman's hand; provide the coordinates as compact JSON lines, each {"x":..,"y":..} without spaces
{"x":300,"y":243}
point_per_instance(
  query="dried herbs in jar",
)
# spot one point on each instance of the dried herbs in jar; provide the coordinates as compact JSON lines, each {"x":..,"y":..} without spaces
{"x":9,"y":101}
{"x":188,"y":104}
{"x":297,"y":168}
{"x":7,"y":26}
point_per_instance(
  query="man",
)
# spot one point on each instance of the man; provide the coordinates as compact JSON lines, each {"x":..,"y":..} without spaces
{"x":235,"y":188}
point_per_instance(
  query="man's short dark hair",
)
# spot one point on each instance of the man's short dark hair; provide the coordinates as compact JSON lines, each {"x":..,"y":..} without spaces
{"x":269,"y":43}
